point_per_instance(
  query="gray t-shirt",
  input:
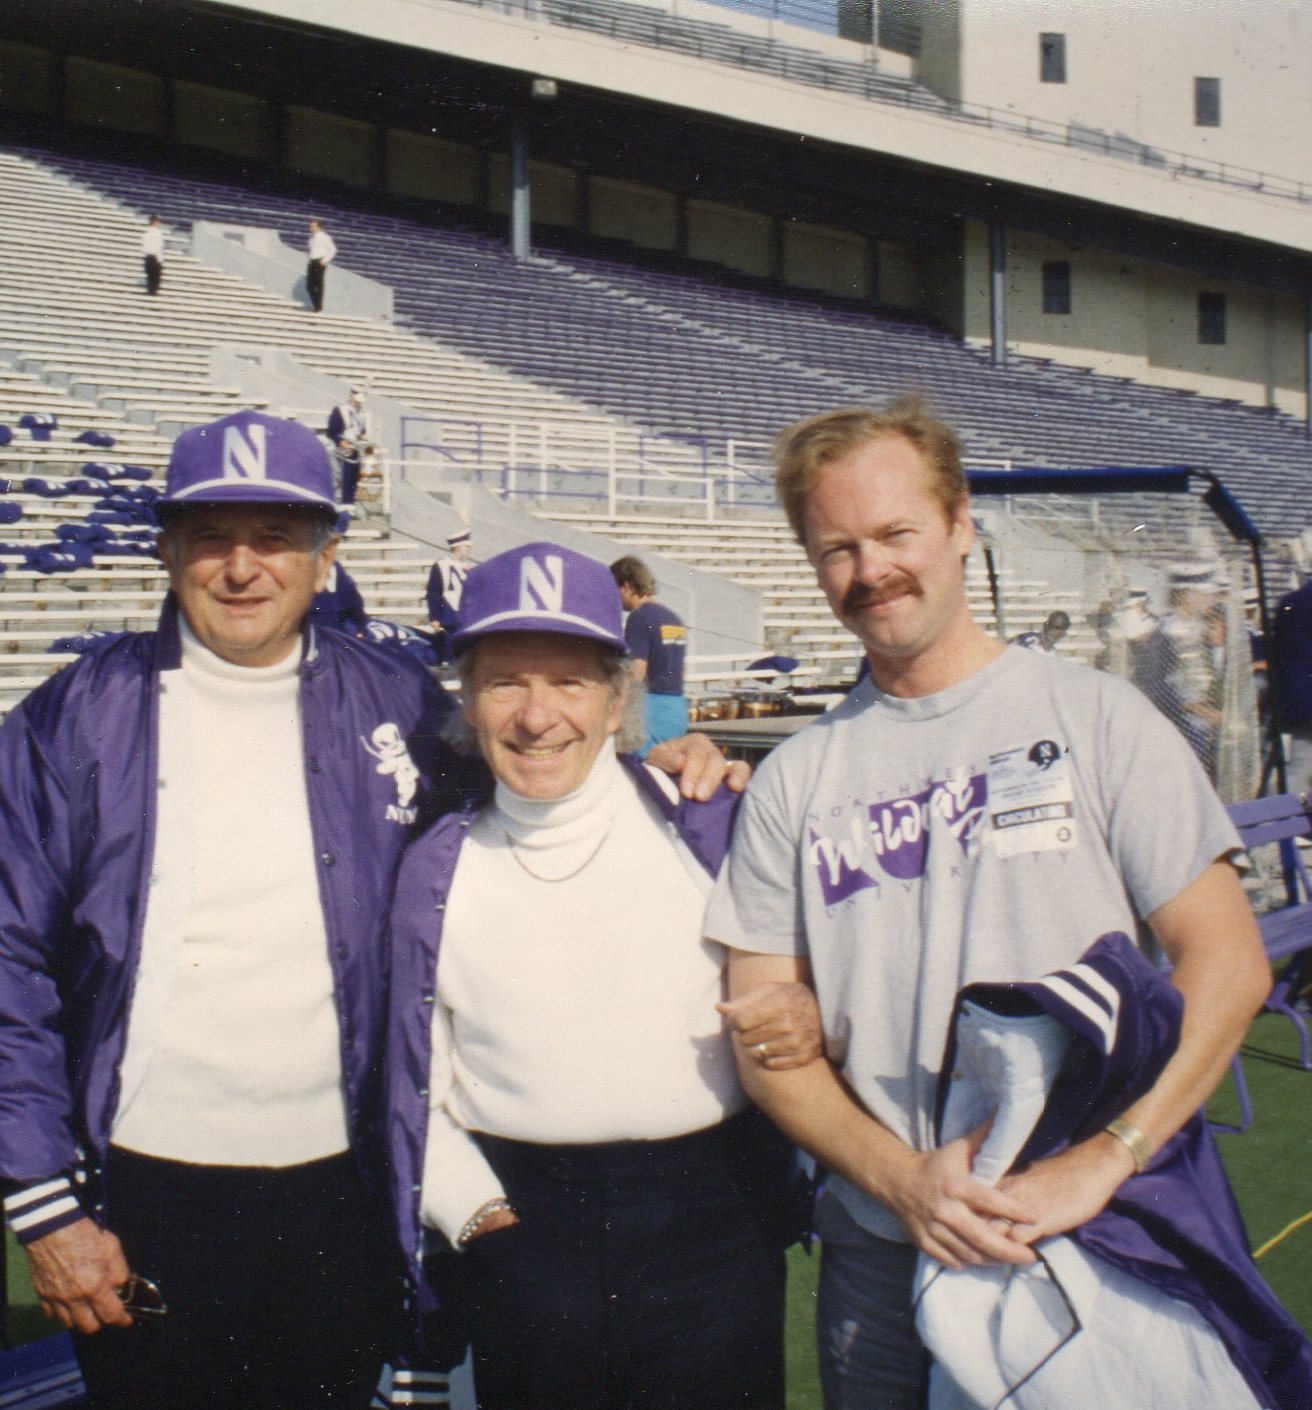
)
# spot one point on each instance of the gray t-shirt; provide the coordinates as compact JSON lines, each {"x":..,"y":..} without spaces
{"x":990,"y":832}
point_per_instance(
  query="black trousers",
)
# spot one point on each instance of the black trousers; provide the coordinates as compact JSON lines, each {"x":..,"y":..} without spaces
{"x":350,"y":477}
{"x":644,"y":1275}
{"x":154,"y":272}
{"x":280,"y":1287}
{"x":314,"y":283}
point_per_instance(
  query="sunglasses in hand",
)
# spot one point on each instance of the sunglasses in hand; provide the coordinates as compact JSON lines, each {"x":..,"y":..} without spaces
{"x":141,"y":1298}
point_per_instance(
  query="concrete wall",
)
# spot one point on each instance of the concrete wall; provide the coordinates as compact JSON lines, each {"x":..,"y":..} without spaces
{"x":25,"y":78}
{"x":625,"y":210}
{"x":1130,"y":69}
{"x":106,"y":95}
{"x":323,"y":144}
{"x":1136,"y":318}
{"x":821,"y":257}
{"x":261,"y":257}
{"x":274,"y":376}
{"x":221,"y":119}
{"x":943,"y":289}
{"x":1261,"y":360}
{"x":553,"y":191}
{"x":555,"y":194}
{"x":900,"y":277}
{"x":730,"y":235}
{"x":433,"y":169}
{"x":292,"y":389}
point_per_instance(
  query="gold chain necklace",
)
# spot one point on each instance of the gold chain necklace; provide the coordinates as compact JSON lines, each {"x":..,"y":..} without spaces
{"x":569,"y":875}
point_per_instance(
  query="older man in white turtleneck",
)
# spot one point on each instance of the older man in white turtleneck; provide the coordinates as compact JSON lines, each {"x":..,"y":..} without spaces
{"x":617,"y":1207}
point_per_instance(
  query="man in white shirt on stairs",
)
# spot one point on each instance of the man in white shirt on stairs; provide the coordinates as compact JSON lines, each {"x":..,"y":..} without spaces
{"x":321,"y":249}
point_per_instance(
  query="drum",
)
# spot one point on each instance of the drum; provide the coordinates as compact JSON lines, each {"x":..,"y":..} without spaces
{"x":369,"y":487}
{"x":758,"y":704}
{"x":714,"y":707}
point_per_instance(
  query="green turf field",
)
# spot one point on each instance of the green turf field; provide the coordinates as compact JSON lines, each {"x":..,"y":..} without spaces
{"x":1270,"y":1166}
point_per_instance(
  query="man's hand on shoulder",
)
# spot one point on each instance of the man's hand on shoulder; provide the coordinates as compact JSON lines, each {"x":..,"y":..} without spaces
{"x":76,"y":1273}
{"x":698,"y":765}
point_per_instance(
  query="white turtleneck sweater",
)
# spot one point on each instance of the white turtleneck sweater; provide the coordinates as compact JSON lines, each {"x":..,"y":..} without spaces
{"x":576,"y":994}
{"x":233,"y":1052}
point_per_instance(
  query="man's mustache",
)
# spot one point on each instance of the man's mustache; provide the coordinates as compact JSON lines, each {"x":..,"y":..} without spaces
{"x":861,"y":595}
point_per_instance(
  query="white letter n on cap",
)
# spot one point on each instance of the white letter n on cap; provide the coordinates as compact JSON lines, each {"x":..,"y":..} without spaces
{"x":245,"y":457}
{"x":542,"y":585}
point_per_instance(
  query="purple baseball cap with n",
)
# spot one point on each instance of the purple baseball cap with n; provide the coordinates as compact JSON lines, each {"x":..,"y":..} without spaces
{"x":249,"y":458}
{"x":540,"y":587}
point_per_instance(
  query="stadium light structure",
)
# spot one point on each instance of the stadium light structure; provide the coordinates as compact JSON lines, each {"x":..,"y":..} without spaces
{"x":1143,"y":479}
{"x":1130,"y":479}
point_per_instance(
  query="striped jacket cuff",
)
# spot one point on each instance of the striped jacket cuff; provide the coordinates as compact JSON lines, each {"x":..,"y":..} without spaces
{"x":38,"y":1210}
{"x":407,"y":1386}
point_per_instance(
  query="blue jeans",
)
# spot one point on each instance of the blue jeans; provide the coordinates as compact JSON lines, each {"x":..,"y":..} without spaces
{"x":870,"y":1355}
{"x":644,"y":1275}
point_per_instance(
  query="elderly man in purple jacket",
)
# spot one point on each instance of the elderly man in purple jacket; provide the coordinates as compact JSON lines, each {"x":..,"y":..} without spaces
{"x":199,"y":835}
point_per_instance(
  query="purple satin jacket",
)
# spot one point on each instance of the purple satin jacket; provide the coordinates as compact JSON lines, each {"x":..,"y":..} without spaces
{"x":78,"y":781}
{"x":1176,"y":1226}
{"x":422,"y":888}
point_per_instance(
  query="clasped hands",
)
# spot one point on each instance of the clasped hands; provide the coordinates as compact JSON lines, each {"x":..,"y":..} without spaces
{"x":958,"y":1220}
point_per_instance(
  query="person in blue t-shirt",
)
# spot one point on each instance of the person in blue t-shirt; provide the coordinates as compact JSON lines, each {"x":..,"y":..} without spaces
{"x":657,"y":640}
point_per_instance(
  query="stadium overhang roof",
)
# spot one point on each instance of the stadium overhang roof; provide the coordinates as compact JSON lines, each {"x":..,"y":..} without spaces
{"x":518,"y":42}
{"x":460,"y":71}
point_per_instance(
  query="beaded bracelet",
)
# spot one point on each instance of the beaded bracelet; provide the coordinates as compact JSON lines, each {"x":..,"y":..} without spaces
{"x":474,"y":1224}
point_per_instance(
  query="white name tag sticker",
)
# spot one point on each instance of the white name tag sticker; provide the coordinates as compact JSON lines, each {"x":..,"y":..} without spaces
{"x":1031,"y":802}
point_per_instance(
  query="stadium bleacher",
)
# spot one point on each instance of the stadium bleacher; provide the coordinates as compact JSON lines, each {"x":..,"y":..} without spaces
{"x":85,"y":348}
{"x":74,"y":325}
{"x":692,"y":350}
{"x":764,"y":555}
{"x":657,"y":347}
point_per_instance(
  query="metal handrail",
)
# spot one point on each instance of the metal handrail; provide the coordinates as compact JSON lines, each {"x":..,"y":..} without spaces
{"x":416,"y":429}
{"x":795,"y":64}
{"x":708,"y":494}
{"x":535,"y":460}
